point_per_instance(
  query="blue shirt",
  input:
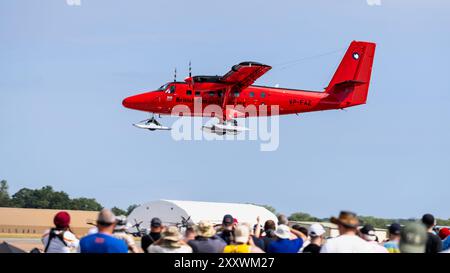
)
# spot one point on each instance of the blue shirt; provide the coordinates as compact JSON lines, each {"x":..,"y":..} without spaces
{"x":285,"y":246}
{"x":102,"y":243}
{"x":446,"y":243}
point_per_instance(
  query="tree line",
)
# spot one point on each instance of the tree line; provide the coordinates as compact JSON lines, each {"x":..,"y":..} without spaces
{"x":47,"y":198}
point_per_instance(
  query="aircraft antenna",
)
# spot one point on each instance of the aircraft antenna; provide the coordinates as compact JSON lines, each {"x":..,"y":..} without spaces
{"x":190,"y":69}
{"x":175,"y":75}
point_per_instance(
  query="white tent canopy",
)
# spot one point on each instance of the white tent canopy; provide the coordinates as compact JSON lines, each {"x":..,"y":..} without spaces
{"x":171,"y":212}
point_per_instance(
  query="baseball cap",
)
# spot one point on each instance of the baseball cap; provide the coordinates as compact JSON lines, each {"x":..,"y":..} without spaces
{"x":428,"y":220}
{"x":413,"y":238}
{"x":368,"y":232}
{"x":106,"y":217}
{"x":444,"y":233}
{"x":62,"y":219}
{"x":316,"y":230}
{"x":241,"y":233}
{"x":228,"y":220}
{"x":283,"y":232}
{"x":155,"y":222}
{"x":395,"y":229}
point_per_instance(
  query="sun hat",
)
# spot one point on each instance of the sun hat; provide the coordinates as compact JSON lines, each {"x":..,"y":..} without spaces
{"x":242,"y":233}
{"x":172,"y":236}
{"x":205,"y":229}
{"x":283,"y":232}
{"x":347,"y":219}
{"x":413,"y":238}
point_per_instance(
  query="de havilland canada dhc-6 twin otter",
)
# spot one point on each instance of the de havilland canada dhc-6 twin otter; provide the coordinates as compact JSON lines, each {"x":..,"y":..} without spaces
{"x":348,"y":87}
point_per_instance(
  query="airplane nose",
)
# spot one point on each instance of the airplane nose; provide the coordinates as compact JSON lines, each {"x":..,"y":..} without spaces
{"x":140,"y":102}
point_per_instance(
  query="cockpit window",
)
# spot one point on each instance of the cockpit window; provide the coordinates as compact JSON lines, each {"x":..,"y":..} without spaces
{"x":172,"y":89}
{"x":163,"y":87}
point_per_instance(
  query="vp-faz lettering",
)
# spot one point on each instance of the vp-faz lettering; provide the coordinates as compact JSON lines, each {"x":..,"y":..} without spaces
{"x":247,"y":262}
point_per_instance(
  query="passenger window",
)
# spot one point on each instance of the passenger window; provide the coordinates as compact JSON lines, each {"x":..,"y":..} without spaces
{"x":220,"y":93}
{"x":263,"y":94}
{"x":251,"y":94}
{"x":236,"y":94}
{"x":197,"y":93}
{"x":211,"y":93}
{"x":188,"y":92}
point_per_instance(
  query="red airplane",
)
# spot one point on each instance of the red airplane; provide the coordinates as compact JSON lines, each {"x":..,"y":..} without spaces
{"x":233,"y":93}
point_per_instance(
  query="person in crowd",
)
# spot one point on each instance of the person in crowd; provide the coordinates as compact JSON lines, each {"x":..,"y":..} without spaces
{"x":256,"y":234}
{"x":444,"y":234}
{"x":171,"y":241}
{"x":434,"y":243}
{"x":120,"y":232}
{"x":227,"y":233}
{"x":103,"y":241}
{"x":394,"y":238}
{"x":413,"y":238}
{"x":304,"y":231}
{"x":368,"y":234}
{"x":206,"y":240}
{"x":288,"y":240}
{"x":269,"y":233}
{"x":242,"y":242}
{"x":348,"y":241}
{"x":283,"y":220}
{"x":60,"y":239}
{"x":189,"y":234}
{"x":316,"y":234}
{"x":156,"y":228}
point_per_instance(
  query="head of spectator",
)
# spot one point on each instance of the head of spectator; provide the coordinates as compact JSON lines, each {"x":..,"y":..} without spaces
{"x":316,"y":230}
{"x":317,"y":234}
{"x":347,"y":222}
{"x":62,"y":220}
{"x":106,"y":221}
{"x":429,"y":221}
{"x":413,"y":238}
{"x":122,"y":224}
{"x":205,"y":229}
{"x":283,"y":232}
{"x":189,"y":234}
{"x":171,"y":237}
{"x":394,"y":232}
{"x":303,"y":230}
{"x":170,"y":242}
{"x":283,"y":220}
{"x":228,"y":222}
{"x":269,"y":228}
{"x":444,"y":233}
{"x":242,"y":234}
{"x":368,"y":233}
{"x":156,"y":225}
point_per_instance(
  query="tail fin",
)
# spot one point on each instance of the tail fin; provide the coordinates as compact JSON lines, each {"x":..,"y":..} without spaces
{"x":350,"y":83}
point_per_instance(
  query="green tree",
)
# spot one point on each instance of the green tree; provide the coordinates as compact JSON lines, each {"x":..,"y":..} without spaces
{"x":131,"y":208}
{"x":5,"y":200}
{"x":83,"y":203}
{"x":301,"y":216}
{"x":117,"y":211}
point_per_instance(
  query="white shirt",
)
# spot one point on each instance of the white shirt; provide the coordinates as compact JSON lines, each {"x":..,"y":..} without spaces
{"x":347,"y":244}
{"x":159,"y":249}
{"x":57,"y":246}
{"x":377,"y":248}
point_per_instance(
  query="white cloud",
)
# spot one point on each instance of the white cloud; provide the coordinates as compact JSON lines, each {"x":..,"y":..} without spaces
{"x":373,"y":2}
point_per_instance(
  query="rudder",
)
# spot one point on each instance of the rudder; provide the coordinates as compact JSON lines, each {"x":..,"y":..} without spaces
{"x":350,"y":82}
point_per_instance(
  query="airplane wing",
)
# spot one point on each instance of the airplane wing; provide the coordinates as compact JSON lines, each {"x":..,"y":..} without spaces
{"x":245,"y":74}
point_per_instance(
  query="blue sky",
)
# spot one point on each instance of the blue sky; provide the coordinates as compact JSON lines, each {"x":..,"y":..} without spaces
{"x":65,"y":70}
